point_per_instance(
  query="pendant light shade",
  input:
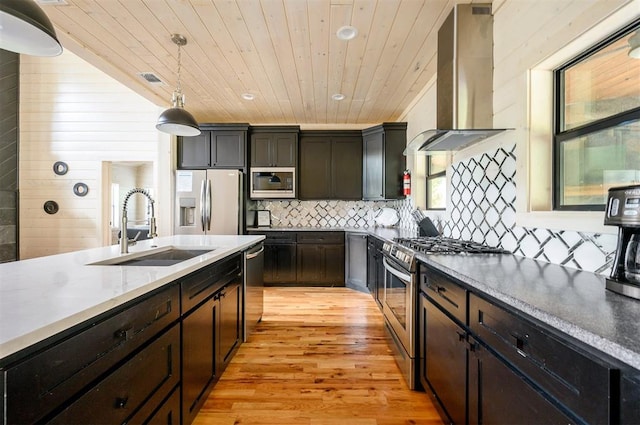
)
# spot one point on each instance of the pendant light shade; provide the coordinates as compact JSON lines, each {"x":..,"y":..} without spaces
{"x":26,"y":29}
{"x":177,"y":120}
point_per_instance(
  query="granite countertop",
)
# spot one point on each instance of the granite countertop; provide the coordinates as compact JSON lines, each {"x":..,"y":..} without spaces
{"x":387,"y":233}
{"x":41,"y":297}
{"x":572,"y":301}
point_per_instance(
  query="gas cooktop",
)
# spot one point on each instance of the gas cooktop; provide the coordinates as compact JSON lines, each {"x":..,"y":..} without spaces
{"x":403,"y":250}
{"x":442,"y":245}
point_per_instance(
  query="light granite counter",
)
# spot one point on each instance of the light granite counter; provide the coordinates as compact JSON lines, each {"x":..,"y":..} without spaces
{"x":43,"y":296}
{"x":571,"y":301}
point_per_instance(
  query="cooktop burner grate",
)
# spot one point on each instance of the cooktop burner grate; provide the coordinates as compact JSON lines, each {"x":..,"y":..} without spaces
{"x":442,"y":245}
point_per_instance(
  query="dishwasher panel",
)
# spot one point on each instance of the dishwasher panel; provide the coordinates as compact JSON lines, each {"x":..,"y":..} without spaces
{"x":253,"y":295}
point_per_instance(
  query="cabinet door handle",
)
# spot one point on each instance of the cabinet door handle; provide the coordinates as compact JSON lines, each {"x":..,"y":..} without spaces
{"x":125,"y":334}
{"x":461,"y":335}
{"x":473,"y":346}
{"x":520,"y":343}
{"x":121,"y":402}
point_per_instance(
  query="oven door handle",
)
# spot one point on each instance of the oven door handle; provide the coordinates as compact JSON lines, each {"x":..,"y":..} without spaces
{"x":389,"y":267}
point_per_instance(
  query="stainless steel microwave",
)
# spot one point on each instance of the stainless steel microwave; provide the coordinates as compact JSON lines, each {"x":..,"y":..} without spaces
{"x":272,"y":182}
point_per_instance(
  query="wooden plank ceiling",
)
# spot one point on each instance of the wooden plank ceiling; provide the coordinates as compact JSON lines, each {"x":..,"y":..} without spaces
{"x":284,"y":52}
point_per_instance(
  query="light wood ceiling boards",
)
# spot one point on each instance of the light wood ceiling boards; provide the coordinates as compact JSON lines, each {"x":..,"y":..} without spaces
{"x":285,"y":52}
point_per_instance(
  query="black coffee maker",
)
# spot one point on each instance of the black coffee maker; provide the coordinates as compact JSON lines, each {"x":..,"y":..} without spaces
{"x":623,"y":210}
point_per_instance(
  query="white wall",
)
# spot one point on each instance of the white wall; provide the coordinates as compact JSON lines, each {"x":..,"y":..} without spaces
{"x":527,"y":33}
{"x":72,"y":112}
{"x":531,"y":38}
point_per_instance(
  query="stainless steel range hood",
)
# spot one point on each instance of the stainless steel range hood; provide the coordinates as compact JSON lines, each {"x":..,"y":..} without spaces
{"x":464,"y":83}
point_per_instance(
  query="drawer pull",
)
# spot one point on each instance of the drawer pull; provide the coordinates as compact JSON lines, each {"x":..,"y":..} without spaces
{"x":461,"y":336}
{"x":520,"y":343}
{"x":125,"y":334}
{"x":121,"y":402}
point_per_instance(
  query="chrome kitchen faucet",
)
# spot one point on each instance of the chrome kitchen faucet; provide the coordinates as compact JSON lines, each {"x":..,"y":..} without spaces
{"x":125,"y":242}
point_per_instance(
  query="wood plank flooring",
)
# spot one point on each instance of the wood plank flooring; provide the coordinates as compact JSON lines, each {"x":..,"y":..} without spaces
{"x":318,"y":357}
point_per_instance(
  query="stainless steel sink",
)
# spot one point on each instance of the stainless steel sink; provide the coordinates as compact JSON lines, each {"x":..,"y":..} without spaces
{"x":165,"y":257}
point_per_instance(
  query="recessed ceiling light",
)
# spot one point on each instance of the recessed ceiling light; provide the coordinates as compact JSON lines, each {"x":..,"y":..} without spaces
{"x":248,"y":96}
{"x":338,"y":96}
{"x":347,"y":33}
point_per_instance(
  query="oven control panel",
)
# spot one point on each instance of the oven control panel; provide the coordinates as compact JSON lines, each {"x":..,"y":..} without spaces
{"x":399,"y":253}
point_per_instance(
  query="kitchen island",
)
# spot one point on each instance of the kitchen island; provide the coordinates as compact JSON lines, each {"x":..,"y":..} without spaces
{"x":82,"y":334}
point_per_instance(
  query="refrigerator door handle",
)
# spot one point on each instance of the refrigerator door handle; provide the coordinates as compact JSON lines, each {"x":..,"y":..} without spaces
{"x":203,"y":203}
{"x":208,"y":205}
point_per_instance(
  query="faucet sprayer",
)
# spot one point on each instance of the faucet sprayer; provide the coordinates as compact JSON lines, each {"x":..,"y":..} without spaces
{"x":125,"y":242}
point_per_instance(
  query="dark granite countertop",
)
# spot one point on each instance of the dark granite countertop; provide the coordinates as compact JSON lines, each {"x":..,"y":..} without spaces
{"x":572,"y":301}
{"x":387,"y":233}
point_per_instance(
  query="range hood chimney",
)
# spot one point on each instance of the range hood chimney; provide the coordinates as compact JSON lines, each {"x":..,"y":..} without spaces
{"x":464,"y":82}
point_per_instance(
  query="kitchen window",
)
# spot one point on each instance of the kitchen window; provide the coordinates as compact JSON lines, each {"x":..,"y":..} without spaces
{"x":436,"y":182}
{"x":597,"y":122}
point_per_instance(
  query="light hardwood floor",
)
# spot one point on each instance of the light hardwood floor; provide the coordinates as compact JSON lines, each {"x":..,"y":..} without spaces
{"x":318,"y":357}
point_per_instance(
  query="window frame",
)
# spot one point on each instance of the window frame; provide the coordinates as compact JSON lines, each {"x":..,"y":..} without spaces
{"x":559,"y":136}
{"x":432,"y":176}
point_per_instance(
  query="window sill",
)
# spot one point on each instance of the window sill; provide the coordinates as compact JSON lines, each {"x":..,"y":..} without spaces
{"x":578,"y":221}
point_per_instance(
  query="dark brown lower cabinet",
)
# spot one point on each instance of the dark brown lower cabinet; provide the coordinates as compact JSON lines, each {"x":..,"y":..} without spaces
{"x":485,"y":364}
{"x":49,"y":379}
{"x":320,"y":264}
{"x":320,"y":258}
{"x":305,"y":258}
{"x":230,"y":323}
{"x":372,"y":266}
{"x":135,"y":390}
{"x":630,"y":398}
{"x":279,"y":257}
{"x":579,"y":383}
{"x":199,"y":358}
{"x":151,"y":360}
{"x":168,"y":413}
{"x":499,"y":395}
{"x":279,"y":263}
{"x":444,"y":365}
{"x":211,"y":331}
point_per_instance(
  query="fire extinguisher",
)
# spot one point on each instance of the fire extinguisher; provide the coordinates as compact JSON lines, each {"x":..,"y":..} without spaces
{"x":406,"y":183}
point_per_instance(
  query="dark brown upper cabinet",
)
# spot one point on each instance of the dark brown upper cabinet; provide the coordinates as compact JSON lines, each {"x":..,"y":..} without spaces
{"x":218,"y":146}
{"x":383,"y":162}
{"x":274,"y":146}
{"x":330,"y":165}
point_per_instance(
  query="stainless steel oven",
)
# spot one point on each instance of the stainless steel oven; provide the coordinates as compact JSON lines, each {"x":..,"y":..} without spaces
{"x":400,"y":293}
{"x":399,"y":303}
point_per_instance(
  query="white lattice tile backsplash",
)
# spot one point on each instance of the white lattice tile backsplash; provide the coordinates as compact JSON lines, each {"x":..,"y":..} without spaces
{"x":356,"y":214}
{"x":483,"y":194}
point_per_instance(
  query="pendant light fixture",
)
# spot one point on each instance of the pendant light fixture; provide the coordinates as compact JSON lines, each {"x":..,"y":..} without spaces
{"x":177,"y":120}
{"x":26,"y":29}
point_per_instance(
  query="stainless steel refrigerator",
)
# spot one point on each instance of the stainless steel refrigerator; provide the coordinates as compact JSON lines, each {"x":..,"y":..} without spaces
{"x":208,"y":202}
